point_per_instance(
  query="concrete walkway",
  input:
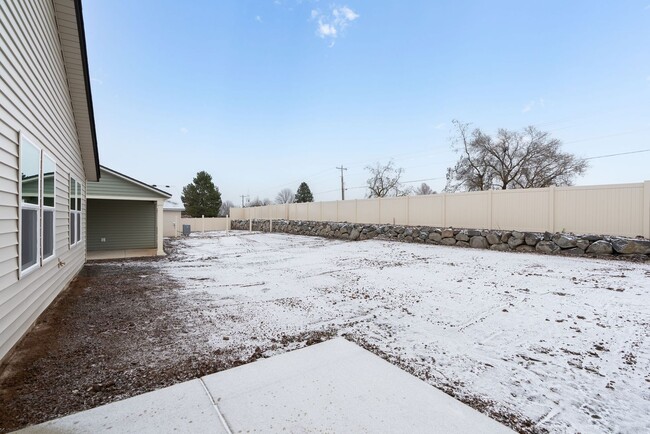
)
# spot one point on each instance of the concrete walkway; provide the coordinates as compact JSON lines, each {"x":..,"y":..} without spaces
{"x":334,"y":386}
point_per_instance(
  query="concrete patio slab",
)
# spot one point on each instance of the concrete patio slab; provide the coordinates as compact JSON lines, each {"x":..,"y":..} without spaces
{"x":182,"y":408}
{"x":335,"y":386}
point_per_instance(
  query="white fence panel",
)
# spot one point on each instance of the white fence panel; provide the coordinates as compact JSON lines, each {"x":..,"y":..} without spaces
{"x":427,"y":210}
{"x":278,"y":212}
{"x":301,"y":211}
{"x":612,"y":209}
{"x":238,"y":213}
{"x":522,"y":210}
{"x":368,"y":211}
{"x":394,"y":210}
{"x":348,"y":211}
{"x":622,"y":209}
{"x":330,"y":211}
{"x":207,"y":224}
{"x":314,"y":211}
{"x":468,"y":210}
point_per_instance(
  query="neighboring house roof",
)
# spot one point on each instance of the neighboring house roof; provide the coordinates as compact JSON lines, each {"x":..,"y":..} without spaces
{"x":114,"y":185}
{"x":172,"y":205}
{"x":72,"y":36}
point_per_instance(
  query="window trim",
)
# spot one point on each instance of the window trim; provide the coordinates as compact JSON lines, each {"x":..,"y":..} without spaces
{"x":75,"y":212}
{"x":44,"y":208}
{"x":22,"y":138}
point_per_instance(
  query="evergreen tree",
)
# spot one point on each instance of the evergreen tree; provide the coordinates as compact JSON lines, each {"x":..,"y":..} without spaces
{"x":304,"y":194}
{"x":201,"y":197}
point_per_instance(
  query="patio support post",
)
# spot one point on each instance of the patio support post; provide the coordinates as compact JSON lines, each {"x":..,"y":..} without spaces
{"x":160,"y":218}
{"x":646,"y":209}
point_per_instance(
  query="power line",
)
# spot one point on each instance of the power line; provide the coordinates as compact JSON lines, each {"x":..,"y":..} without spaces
{"x":322,"y":172}
{"x":438,"y":149}
{"x":620,"y":153}
{"x":365,"y":186}
{"x":422,"y":180}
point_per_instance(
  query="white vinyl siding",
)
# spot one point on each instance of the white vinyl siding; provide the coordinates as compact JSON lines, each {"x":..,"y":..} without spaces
{"x":35,"y":101}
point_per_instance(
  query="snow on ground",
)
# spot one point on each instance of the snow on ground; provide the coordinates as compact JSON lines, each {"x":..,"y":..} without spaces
{"x":562,"y":342}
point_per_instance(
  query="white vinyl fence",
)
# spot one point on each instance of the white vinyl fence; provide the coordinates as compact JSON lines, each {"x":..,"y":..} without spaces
{"x":622,"y":209}
{"x":173,"y":224}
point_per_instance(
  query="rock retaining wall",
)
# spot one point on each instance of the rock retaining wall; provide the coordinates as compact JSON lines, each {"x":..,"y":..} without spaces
{"x":548,"y":243}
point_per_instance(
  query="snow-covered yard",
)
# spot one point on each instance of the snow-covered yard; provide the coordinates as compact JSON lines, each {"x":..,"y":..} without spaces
{"x":560,"y":343}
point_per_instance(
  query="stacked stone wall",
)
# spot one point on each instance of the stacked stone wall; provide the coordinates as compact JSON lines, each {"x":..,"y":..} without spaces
{"x":546,"y":243}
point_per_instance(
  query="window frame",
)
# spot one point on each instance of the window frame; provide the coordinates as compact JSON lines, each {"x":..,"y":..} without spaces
{"x":75,"y":214}
{"x":22,"y":141}
{"x":48,"y":208}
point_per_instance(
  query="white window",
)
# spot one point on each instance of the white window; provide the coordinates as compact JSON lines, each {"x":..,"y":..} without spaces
{"x":37,"y":205}
{"x":49,"y":211}
{"x":75,"y":211}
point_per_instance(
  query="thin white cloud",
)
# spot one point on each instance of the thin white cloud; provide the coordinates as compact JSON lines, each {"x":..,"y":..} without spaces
{"x":326,"y":30}
{"x":258,"y":18}
{"x":532,"y":104}
{"x":184,"y":130}
{"x":345,"y":13}
{"x":439,"y":126}
{"x":96,"y":80}
{"x":331,"y":25}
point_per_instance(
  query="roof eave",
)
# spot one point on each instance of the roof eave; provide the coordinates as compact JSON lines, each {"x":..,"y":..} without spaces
{"x":137,"y":182}
{"x":80,"y":96}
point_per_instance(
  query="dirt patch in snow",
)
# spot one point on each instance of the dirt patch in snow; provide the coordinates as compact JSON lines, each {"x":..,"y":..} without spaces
{"x":537,"y":343}
{"x":115,"y":332}
{"x":119,"y":330}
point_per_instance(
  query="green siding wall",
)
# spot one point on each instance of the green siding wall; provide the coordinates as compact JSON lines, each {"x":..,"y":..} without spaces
{"x":125,"y":224}
{"x":110,"y":185}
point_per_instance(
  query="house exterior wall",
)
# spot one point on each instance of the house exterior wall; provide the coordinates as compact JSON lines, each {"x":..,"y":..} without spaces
{"x":123,"y":224}
{"x":34,"y":103}
{"x":111,"y":216}
{"x":115,"y":187}
{"x":172,"y":223}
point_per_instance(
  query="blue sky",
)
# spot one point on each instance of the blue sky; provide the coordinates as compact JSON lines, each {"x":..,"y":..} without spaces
{"x":265,"y":94}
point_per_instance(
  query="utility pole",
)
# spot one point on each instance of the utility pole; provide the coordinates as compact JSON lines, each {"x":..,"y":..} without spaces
{"x":342,"y":184}
{"x":242,"y":199}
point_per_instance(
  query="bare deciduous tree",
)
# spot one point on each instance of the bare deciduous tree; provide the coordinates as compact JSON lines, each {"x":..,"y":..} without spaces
{"x":224,"y":210}
{"x":385,"y":181}
{"x":424,"y":189}
{"x":259,"y":202}
{"x":285,"y":196}
{"x":527,"y":159}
